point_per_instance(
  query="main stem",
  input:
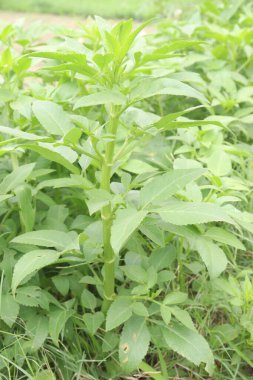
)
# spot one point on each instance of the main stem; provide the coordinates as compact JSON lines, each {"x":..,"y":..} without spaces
{"x":106,"y":213}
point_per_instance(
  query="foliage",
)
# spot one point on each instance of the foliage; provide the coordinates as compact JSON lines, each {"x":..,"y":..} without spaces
{"x":125,"y":193}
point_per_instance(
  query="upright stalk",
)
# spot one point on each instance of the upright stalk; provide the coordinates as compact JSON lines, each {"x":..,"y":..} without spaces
{"x":106,"y":212}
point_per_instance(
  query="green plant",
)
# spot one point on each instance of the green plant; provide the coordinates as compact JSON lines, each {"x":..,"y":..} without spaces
{"x":116,"y":219}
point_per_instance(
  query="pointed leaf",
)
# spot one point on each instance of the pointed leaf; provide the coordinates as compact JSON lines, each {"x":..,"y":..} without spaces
{"x":134,"y":343}
{"x":119,"y":312}
{"x":30,"y":263}
{"x":163,"y":187}
{"x":126,"y":222}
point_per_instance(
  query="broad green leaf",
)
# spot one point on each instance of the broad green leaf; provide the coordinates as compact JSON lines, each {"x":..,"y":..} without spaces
{"x":175,"y":298}
{"x":152,"y":231}
{"x":126,"y":222}
{"x":134,"y":343}
{"x":119,"y":312}
{"x":38,"y":329}
{"x":104,"y":97}
{"x":60,"y":240}
{"x":62,"y":284}
{"x":28,"y":296}
{"x":135,"y":273}
{"x":88,"y":300}
{"x":97,"y":198}
{"x":183,"y":213}
{"x":189,"y":344}
{"x":162,"y":258}
{"x":30,"y":263}
{"x":57,"y":321}
{"x":9,"y":309}
{"x":52,"y":117}
{"x":93,"y":321}
{"x":16,"y":178}
{"x":23,"y":105}
{"x":223,"y":236}
{"x":163,"y":187}
{"x":140,"y":309}
{"x":213,"y":256}
{"x":219,"y":163}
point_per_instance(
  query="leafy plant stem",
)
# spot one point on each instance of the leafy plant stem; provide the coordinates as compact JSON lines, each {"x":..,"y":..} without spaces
{"x":107,"y":214}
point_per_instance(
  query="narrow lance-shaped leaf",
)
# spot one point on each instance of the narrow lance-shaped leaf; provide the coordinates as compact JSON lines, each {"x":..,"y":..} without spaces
{"x":15,"y":132}
{"x":104,"y":97}
{"x":163,"y":187}
{"x":63,"y":155}
{"x":17,"y":177}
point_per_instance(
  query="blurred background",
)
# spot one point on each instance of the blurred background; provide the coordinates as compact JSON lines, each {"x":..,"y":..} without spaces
{"x":139,"y":9}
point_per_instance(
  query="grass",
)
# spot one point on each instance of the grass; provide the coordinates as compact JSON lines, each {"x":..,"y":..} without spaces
{"x":104,"y":8}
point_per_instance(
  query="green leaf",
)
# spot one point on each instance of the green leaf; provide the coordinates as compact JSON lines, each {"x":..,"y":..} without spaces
{"x":104,"y":97}
{"x":148,"y":87}
{"x":183,"y":213}
{"x":189,"y":344}
{"x":163,"y":187}
{"x":182,"y":316}
{"x":63,"y":241}
{"x":175,"y":298}
{"x":88,"y":300}
{"x":219,"y":163}
{"x":125,"y":223}
{"x":223,"y":236}
{"x":165,"y":313}
{"x":26,"y":210}
{"x":28,"y":296}
{"x":46,"y":374}
{"x":140,"y":309}
{"x":93,"y":321}
{"x":30,"y":263}
{"x":63,"y":155}
{"x":98,"y":198}
{"x":15,"y":132}
{"x":135,"y":273}
{"x":52,"y":117}
{"x":16,"y":178}
{"x":162,"y":258}
{"x":119,"y":312}
{"x":134,"y":343}
{"x":57,"y":321}
{"x":38,"y":329}
{"x":62,"y":284}
{"x":167,"y":125}
{"x":9,"y":309}
{"x":213,"y":256}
